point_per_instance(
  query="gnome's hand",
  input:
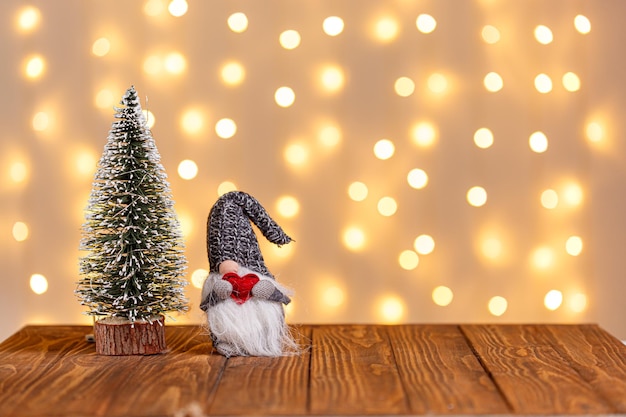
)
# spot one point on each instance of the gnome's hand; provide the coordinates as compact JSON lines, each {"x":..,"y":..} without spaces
{"x":223,"y":289}
{"x":263,"y":289}
{"x":267,"y":290}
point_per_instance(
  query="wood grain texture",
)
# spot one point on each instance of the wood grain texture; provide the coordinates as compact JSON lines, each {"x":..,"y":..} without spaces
{"x":598,"y":357}
{"x":348,"y":370}
{"x":440,"y":373}
{"x":531,"y":373}
{"x":262,"y":385}
{"x":353,"y":372}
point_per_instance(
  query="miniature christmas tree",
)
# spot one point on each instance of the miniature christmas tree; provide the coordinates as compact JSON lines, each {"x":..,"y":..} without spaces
{"x":134,"y":265}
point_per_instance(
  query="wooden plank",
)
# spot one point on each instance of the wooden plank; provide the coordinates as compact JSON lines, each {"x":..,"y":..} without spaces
{"x":184,"y":378}
{"x":25,"y":359}
{"x":353,"y":372}
{"x":530,"y":372}
{"x":597,"y":356}
{"x":77,"y":381}
{"x":440,"y":373}
{"x":265,"y":386}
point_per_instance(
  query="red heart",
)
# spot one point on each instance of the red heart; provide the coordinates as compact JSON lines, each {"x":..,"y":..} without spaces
{"x":242,"y":286}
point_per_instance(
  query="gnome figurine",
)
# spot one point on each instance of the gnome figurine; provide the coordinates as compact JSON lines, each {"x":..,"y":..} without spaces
{"x":242,"y":300}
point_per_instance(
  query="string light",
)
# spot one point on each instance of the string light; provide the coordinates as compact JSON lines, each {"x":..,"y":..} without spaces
{"x":225,"y":128}
{"x":387,"y":206}
{"x":238,"y":22}
{"x":404,"y":87}
{"x":187,"y":169}
{"x":442,"y":296}
{"x":483,"y":138}
{"x":425,"y":23}
{"x":333,"y":25}
{"x":38,"y":284}
{"x":497,"y":306}
{"x":408,"y":260}
{"x":417,"y":178}
{"x":493,"y":82}
{"x":354,"y":238}
{"x":284,"y":96}
{"x":288,"y":206}
{"x":384,"y":149}
{"x":20,"y":231}
{"x":490,"y":34}
{"x":357,"y":191}
{"x":289,"y":39}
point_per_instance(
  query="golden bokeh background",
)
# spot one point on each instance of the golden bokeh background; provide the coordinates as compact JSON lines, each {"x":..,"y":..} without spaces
{"x":435,"y":160}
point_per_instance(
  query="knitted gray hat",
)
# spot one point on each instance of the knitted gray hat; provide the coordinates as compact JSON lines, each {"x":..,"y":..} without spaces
{"x":230,"y":235}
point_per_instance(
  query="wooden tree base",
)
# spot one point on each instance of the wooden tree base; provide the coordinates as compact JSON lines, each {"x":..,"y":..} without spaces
{"x":116,"y":336}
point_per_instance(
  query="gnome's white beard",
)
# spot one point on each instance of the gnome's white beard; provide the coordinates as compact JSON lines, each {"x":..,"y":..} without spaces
{"x":255,"y":328}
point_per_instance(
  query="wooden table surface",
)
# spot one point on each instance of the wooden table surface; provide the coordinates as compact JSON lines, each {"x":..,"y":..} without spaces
{"x":344,"y":370}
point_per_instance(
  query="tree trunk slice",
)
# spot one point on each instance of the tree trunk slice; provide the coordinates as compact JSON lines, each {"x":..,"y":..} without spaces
{"x":115,"y":337}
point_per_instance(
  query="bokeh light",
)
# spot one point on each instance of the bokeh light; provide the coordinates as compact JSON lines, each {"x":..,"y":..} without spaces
{"x":225,"y":128}
{"x":20,"y":231}
{"x":357,"y":191}
{"x":543,"y":257}
{"x":233,"y":73}
{"x":354,"y":238}
{"x":417,"y":178}
{"x":178,"y":8}
{"x":582,"y":24}
{"x":198,"y":277}
{"x":38,"y":283}
{"x":437,"y":83}
{"x":483,"y":138}
{"x":549,"y":199}
{"x":329,"y":136}
{"x":238,"y":22}
{"x":497,"y":305}
{"x":476,"y":196}
{"x":571,"y":81}
{"x":538,"y":142}
{"x":442,"y":296}
{"x":493,"y":82}
{"x":404,"y":86}
{"x":192,"y":121}
{"x":391,"y":309}
{"x":543,"y":35}
{"x":296,"y":154}
{"x":288,"y":206}
{"x":423,"y":134}
{"x":543,"y":83}
{"x":425,"y":23}
{"x":101,"y":47}
{"x":284,"y":96}
{"x":333,"y":25}
{"x":574,"y":245}
{"x":490,"y":34}
{"x":387,"y":206}
{"x":28,"y":18}
{"x":187,"y":169}
{"x":408,"y":260}
{"x":331,"y":78}
{"x":424,"y":244}
{"x":553,"y":299}
{"x":386,"y":29}
{"x":384,"y":149}
{"x":225,"y":187}
{"x":289,"y":39}
{"x":34,"y":67}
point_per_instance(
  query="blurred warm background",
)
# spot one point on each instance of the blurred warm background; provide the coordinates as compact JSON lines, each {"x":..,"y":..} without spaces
{"x":435,"y":160}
